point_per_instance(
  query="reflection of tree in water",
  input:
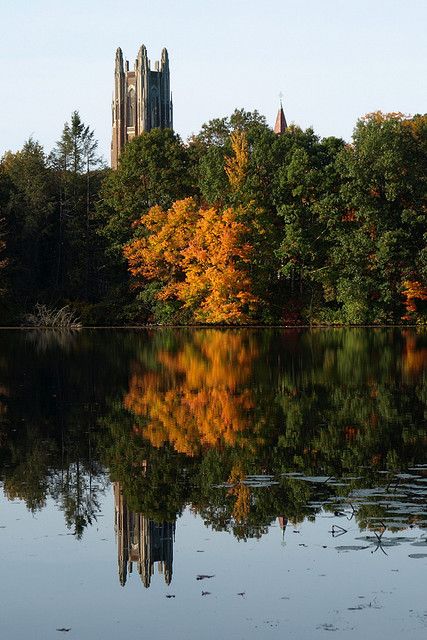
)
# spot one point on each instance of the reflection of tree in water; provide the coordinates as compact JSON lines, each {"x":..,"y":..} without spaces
{"x":77,"y":490}
{"x":48,"y":428}
{"x":141,"y":541}
{"x":42,"y":461}
{"x":198,"y":413}
{"x":47,"y":339}
{"x":75,"y":485}
{"x":199,"y":395}
{"x":414,"y":356}
{"x":330,"y":402}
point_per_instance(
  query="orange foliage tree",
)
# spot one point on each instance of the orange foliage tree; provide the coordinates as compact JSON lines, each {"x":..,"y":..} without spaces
{"x":200,"y":258}
{"x":413,"y":291}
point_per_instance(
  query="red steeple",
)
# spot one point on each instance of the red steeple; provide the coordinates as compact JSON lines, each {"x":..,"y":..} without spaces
{"x":281,"y":125}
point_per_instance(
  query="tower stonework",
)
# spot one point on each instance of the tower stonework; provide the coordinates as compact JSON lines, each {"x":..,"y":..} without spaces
{"x":141,"y":100}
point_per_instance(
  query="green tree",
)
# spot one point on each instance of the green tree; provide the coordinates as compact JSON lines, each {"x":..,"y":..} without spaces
{"x":3,"y":260}
{"x":154,"y":169}
{"x":305,"y":178}
{"x":28,"y":212}
{"x":380,"y":235}
{"x":213,"y":147}
{"x":78,"y":171}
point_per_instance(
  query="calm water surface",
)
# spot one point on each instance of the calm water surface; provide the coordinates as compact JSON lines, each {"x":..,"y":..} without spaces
{"x":230,"y":484}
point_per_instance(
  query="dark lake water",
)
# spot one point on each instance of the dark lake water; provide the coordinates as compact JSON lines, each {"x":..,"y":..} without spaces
{"x":218,"y":484}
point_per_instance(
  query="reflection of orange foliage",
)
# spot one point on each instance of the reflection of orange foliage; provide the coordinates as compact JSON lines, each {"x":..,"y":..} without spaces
{"x":199,"y":399}
{"x":412,"y":292}
{"x":351,"y":433}
{"x":373,"y":419}
{"x":374,"y":390}
{"x":241,"y":492}
{"x":349,"y":216}
{"x":4,"y":391}
{"x":414,"y":359}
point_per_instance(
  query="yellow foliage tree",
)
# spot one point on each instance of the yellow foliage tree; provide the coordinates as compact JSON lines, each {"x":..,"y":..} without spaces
{"x":236,"y":166}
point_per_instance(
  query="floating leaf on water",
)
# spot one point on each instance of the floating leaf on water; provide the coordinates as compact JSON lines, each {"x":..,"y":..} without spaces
{"x":417,"y":556}
{"x":327,"y":627}
{"x":337,"y":483}
{"x":316,"y":479}
{"x":379,"y":492}
{"x":259,"y":481}
{"x":351,"y":548}
{"x":292,"y":474}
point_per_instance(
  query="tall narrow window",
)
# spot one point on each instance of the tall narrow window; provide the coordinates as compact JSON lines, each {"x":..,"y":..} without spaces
{"x":131,"y":107}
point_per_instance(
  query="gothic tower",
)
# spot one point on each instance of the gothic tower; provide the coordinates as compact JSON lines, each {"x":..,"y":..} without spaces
{"x":141,"y":100}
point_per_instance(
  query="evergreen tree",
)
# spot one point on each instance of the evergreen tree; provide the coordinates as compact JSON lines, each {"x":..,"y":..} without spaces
{"x":78,"y":172}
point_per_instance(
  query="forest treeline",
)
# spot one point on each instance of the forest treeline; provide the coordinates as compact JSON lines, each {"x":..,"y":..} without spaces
{"x":237,"y":225}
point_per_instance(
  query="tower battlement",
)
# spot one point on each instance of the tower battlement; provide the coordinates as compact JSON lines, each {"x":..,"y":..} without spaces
{"x":141,"y":99}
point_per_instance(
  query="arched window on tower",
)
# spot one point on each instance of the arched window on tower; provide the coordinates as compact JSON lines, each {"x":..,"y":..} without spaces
{"x":155,"y":115}
{"x":131,"y":107}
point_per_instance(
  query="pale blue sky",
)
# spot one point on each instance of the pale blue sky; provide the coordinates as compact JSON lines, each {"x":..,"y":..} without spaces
{"x":334,"y":60}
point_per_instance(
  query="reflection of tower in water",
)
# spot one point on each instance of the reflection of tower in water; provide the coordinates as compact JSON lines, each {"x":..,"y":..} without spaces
{"x":142,"y":541}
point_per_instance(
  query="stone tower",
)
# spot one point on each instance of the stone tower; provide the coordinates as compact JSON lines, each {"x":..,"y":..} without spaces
{"x":141,"y":101}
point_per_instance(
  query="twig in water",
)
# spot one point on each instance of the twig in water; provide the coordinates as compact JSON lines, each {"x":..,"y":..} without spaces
{"x":341,"y":531}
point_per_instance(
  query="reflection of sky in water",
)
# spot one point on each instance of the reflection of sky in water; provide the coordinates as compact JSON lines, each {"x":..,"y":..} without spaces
{"x":296,"y":584}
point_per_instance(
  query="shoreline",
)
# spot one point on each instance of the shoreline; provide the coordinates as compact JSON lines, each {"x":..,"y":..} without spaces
{"x":212,"y":326}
